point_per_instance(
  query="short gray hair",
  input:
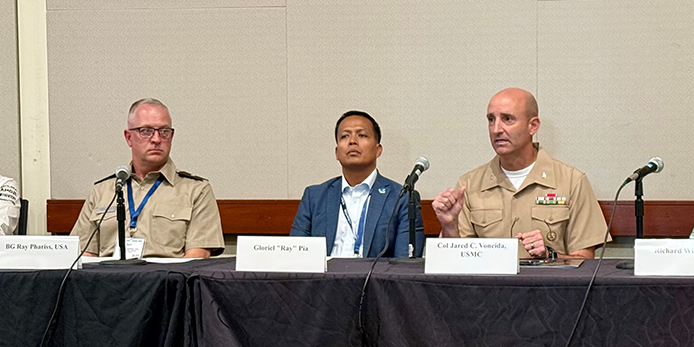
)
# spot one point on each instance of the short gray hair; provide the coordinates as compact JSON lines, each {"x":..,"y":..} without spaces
{"x":145,"y":101}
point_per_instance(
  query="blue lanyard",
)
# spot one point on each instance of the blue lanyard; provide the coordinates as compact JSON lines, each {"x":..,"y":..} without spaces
{"x":131,"y":204}
{"x":362,"y":220}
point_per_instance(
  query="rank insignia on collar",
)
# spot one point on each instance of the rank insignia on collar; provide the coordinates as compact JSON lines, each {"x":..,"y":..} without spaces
{"x":551,"y":199}
{"x":382,"y":190}
{"x":544,"y":175}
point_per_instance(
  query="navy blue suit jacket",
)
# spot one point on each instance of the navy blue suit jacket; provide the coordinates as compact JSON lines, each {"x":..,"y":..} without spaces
{"x":320,"y":208}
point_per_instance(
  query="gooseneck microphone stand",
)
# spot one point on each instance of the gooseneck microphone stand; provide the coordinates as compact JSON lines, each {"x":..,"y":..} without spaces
{"x":638,"y":212}
{"x":638,"y":207}
{"x":412,"y":216}
{"x":120,"y":217}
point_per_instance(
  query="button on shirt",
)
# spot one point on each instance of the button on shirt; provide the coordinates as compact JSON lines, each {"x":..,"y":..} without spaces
{"x":355,"y":199}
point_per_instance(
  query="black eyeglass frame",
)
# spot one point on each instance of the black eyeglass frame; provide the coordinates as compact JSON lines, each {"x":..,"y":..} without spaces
{"x":140,"y":129}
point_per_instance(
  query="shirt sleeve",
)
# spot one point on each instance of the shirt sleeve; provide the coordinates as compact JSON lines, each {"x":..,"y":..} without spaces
{"x":83,"y":227}
{"x":205,"y":228}
{"x":587,"y":226}
{"x":9,"y":207}
{"x":302,"y":220}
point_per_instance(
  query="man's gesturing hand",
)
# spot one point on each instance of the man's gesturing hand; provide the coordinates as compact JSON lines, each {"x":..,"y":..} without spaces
{"x":447,"y":206}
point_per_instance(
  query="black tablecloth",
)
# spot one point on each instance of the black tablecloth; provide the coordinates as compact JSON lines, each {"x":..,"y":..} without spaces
{"x":101,"y":306}
{"x":207,"y":303}
{"x":267,"y":309}
{"x":536,"y":308}
{"x":405,"y":307}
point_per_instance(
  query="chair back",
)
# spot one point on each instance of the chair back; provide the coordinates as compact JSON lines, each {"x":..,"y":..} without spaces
{"x":23,"y":214}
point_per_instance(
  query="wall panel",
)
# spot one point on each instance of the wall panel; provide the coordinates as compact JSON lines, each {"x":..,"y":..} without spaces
{"x":615,"y":89}
{"x":9,"y":110}
{"x":221,"y":71}
{"x":256,"y":87}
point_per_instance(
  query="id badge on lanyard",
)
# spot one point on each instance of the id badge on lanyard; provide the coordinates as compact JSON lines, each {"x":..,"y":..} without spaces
{"x":131,"y":203}
{"x":362,"y":221}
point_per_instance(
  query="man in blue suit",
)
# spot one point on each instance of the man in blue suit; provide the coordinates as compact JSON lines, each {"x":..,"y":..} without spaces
{"x":352,"y":211}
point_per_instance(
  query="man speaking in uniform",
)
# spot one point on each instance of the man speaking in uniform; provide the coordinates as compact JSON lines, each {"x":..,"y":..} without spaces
{"x":523,"y":192}
{"x":173,"y":211}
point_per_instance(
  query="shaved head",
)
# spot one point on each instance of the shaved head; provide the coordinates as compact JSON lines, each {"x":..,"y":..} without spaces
{"x":522,"y":97}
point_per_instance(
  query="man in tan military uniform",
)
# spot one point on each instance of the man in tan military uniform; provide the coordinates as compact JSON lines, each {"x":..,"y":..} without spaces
{"x":523,"y":192}
{"x":180,"y":219}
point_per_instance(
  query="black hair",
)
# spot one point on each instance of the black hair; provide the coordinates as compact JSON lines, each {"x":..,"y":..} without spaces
{"x":377,"y":129}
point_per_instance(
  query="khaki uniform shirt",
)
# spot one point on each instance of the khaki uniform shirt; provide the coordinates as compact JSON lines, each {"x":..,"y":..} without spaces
{"x":569,"y":217}
{"x":180,"y":215}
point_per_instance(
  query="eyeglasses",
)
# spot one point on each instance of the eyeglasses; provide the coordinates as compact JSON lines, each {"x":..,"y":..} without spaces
{"x":146,"y":132}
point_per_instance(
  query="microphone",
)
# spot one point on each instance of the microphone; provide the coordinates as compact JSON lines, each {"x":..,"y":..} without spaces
{"x":420,"y":165}
{"x":122,"y":174}
{"x":654,"y":165}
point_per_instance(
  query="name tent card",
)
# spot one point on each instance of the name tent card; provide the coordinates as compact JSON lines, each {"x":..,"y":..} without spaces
{"x":477,"y":256}
{"x":281,"y":254}
{"x":664,"y":257}
{"x":39,"y":252}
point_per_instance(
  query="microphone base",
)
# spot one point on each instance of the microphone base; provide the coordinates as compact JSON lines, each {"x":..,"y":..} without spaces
{"x":406,"y":261}
{"x":626,"y":265}
{"x":123,"y":262}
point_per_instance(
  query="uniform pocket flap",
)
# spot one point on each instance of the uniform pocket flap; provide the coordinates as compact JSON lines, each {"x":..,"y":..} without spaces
{"x":172,"y":212}
{"x":550,"y":215}
{"x":485,"y":217}
{"x":97,"y":213}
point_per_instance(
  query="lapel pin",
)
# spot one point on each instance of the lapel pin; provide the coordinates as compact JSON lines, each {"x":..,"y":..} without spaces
{"x":382,"y":190}
{"x":544,"y":175}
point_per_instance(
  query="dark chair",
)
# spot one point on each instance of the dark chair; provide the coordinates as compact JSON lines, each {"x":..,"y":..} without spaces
{"x":23,"y":214}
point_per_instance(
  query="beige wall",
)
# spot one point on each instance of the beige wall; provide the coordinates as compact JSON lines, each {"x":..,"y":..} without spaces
{"x":615,"y":84}
{"x":9,"y":102}
{"x":221,"y":71}
{"x":255,"y":87}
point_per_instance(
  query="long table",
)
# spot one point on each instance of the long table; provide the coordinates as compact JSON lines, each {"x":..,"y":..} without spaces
{"x":207,"y":303}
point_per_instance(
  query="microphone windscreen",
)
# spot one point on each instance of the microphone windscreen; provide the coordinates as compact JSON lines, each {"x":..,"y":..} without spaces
{"x":424,"y":162}
{"x":122,"y":172}
{"x":658,"y":163}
